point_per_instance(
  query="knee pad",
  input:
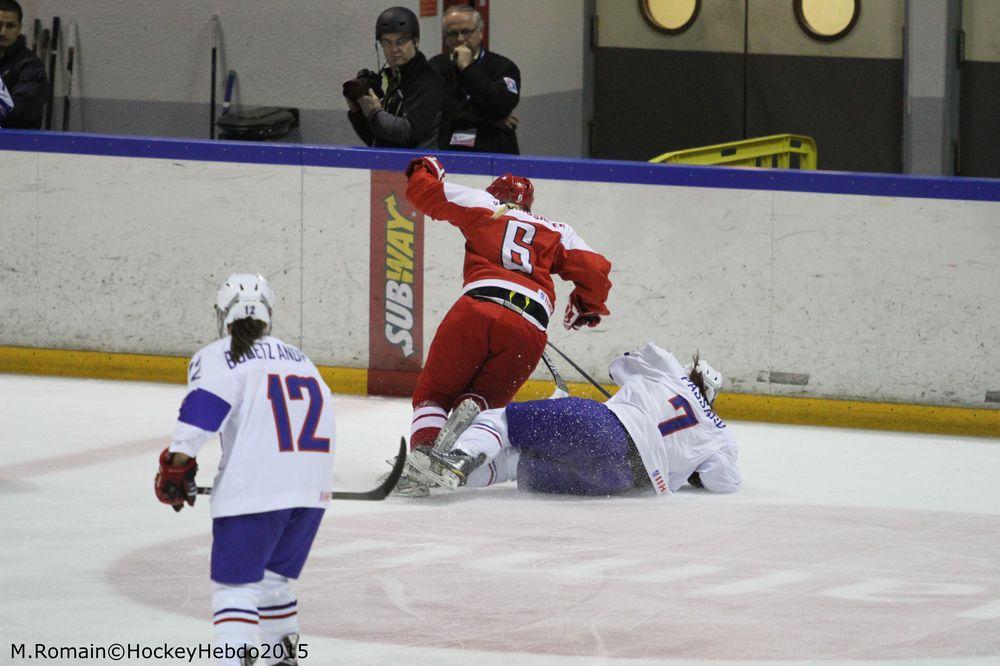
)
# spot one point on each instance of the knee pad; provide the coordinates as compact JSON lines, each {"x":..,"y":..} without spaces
{"x":476,"y":398}
{"x":275,"y":589}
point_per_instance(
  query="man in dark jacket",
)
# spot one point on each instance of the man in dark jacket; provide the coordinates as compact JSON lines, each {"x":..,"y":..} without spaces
{"x":21,"y":70}
{"x":409,"y":113}
{"x":484,"y":87}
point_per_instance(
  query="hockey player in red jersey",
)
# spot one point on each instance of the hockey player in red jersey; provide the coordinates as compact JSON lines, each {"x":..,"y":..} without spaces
{"x":491,"y":339}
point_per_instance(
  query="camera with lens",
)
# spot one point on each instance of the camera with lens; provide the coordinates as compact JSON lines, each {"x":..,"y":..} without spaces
{"x":359,"y":86}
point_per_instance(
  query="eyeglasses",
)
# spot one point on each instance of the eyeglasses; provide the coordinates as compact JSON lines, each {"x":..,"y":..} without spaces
{"x":464,"y":32}
{"x":399,"y":43}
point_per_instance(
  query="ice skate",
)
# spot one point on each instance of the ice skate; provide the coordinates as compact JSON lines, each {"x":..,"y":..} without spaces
{"x":461,"y":417}
{"x":411,"y":483}
{"x":449,"y":469}
{"x":289,"y":650}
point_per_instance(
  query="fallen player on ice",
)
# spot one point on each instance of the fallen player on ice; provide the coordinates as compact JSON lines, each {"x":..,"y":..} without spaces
{"x":658,"y":431}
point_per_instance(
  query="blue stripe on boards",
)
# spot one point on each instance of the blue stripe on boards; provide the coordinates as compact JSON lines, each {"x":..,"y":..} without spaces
{"x":203,"y":409}
{"x":485,"y":164}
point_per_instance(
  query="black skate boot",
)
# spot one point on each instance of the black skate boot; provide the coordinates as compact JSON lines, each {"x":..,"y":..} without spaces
{"x":289,"y":651}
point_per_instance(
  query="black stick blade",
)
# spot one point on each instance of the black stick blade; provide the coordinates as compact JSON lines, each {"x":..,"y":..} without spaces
{"x":383,"y":490}
{"x":376,"y":494}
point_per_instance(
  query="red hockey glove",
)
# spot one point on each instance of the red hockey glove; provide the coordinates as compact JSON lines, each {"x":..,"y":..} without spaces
{"x":175,"y":485}
{"x":429,"y":163}
{"x":577,"y":316}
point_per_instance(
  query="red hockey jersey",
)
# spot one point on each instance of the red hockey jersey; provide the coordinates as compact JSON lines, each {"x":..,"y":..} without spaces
{"x":511,"y":248}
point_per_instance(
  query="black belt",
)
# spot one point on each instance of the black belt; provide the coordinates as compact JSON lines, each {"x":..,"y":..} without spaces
{"x":513,"y":300}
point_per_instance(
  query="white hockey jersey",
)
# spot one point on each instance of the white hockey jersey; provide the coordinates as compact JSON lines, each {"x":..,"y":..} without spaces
{"x":674,"y":429}
{"x":276,"y":422}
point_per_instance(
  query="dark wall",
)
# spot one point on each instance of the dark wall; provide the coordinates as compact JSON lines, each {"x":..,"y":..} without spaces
{"x":649,"y":101}
{"x":979,"y":138}
{"x":852,"y":107}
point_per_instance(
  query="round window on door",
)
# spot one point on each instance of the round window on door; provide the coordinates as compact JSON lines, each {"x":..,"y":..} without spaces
{"x":827,"y":20}
{"x":670,"y":16}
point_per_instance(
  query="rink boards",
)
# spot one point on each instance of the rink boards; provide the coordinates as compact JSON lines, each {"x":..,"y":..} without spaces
{"x":854,"y":287}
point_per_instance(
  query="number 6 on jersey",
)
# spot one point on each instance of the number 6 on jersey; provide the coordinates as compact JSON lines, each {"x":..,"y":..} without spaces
{"x":516,"y":253}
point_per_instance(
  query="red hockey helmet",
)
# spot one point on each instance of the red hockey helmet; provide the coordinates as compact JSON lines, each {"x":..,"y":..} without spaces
{"x":509,"y":188}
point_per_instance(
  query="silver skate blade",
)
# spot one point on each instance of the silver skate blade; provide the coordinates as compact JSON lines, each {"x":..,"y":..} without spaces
{"x":410,"y":484}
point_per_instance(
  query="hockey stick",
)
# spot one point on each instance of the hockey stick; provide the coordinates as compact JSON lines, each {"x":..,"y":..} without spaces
{"x":215,"y":51}
{"x":53,"y":55}
{"x":556,"y":377}
{"x":71,"y":40}
{"x":43,"y":46}
{"x":375,"y":494}
{"x":580,"y":370}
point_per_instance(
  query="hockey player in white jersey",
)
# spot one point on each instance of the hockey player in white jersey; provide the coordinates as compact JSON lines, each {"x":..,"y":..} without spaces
{"x":658,"y":431}
{"x":273,"y":411}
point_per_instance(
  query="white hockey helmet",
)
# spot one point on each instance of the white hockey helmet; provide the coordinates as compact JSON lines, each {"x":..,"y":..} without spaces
{"x":711,"y":378}
{"x":244,"y":295}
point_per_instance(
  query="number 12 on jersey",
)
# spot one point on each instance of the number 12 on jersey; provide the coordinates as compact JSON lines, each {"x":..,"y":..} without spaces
{"x":307,"y":440}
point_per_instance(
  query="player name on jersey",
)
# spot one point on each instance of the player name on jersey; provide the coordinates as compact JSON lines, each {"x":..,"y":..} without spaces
{"x":705,"y":407}
{"x":267,"y":350}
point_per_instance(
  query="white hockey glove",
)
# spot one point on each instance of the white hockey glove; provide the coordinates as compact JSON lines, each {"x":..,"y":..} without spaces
{"x":429,"y":163}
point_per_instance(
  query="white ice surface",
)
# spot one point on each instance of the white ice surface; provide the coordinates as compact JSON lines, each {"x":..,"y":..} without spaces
{"x":844,"y":546}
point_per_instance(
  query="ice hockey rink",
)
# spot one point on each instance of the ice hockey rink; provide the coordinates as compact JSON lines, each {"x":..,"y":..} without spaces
{"x":844,"y":546}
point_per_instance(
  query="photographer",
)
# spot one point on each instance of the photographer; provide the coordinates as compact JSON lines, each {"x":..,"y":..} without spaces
{"x":484,"y":87}
{"x":403,"y":105}
{"x":21,"y":71}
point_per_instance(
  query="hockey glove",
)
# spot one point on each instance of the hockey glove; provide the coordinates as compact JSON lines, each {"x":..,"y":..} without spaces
{"x":577,"y":315}
{"x":429,"y":163}
{"x":175,"y":485}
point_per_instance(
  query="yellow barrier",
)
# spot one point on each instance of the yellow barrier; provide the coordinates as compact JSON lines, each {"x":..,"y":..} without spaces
{"x":781,"y":151}
{"x":734,"y":406}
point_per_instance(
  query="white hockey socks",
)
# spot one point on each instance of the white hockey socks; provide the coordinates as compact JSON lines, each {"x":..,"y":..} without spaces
{"x":500,"y":469}
{"x":488,"y":435}
{"x":279,"y":613}
{"x":428,"y":419}
{"x":234,"y":609}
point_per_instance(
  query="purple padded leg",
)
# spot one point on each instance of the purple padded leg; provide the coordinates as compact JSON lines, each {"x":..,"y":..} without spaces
{"x":569,"y":446}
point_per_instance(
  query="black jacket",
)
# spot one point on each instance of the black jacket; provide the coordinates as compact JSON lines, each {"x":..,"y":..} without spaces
{"x":413,"y":109}
{"x":485,"y":91}
{"x":24,"y":76}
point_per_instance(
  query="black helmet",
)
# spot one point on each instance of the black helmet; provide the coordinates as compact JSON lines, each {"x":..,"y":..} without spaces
{"x":397,"y":19}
